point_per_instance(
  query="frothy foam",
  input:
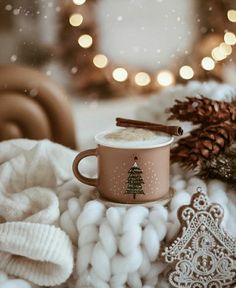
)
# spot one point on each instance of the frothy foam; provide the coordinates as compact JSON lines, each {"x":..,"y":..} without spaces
{"x":131,"y":134}
{"x":133,"y":138}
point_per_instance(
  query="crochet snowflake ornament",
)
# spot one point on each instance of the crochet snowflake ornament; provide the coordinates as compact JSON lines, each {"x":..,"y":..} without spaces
{"x":203,"y":255}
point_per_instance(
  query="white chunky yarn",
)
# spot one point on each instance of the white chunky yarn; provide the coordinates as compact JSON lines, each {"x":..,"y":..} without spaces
{"x":119,"y":246}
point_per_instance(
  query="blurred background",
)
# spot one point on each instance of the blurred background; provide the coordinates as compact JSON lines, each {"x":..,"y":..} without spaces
{"x":111,"y":56}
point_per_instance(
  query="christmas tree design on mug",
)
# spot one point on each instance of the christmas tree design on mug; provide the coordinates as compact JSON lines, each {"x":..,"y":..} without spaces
{"x":135,"y":180}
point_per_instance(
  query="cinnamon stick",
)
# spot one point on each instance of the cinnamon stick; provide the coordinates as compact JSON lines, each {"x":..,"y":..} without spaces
{"x":171,"y":130}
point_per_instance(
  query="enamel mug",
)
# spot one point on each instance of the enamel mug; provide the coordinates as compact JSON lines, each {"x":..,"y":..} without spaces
{"x":129,"y":172}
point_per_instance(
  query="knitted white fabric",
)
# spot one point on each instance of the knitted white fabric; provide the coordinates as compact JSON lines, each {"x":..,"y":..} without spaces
{"x":31,"y":246}
{"x":116,"y":247}
{"x":37,"y":252}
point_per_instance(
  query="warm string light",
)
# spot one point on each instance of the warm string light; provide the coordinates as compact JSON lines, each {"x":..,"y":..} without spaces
{"x":218,"y":54}
{"x":120,"y":74}
{"x":165,"y":77}
{"x":76,"y":19}
{"x":186,"y":72}
{"x":85,"y":41}
{"x":221,"y":52}
{"x":230,"y":38}
{"x":142,"y":79}
{"x":79,"y":2}
{"x":227,"y":49}
{"x":100,"y":61}
{"x":231,"y":15}
{"x":208,"y":63}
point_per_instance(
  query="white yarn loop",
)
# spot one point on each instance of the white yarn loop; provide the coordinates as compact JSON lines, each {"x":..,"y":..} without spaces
{"x":114,"y":217}
{"x":134,"y":215}
{"x":145,"y":265}
{"x":91,"y":214}
{"x":84,"y":257}
{"x":151,"y":242}
{"x":87,"y":235}
{"x":108,"y":239}
{"x":130,"y":240}
{"x":69,"y":217}
{"x":118,"y":280}
{"x":100,"y":262}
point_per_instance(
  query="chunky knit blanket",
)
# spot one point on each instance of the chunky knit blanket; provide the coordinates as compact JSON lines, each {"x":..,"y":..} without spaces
{"x":105,"y":246}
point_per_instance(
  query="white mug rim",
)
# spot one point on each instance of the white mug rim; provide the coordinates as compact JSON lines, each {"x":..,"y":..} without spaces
{"x":128,"y":145}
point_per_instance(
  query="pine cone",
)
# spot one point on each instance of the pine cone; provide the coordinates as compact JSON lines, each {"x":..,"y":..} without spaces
{"x":204,"y":111}
{"x":186,"y":153}
{"x":203,"y":144}
{"x":222,"y":167}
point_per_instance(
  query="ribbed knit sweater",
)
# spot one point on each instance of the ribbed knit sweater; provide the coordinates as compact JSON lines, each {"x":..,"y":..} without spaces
{"x":32,"y":247}
{"x":38,"y":252}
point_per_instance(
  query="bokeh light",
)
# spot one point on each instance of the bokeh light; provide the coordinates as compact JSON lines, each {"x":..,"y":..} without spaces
{"x":142,"y":79}
{"x":120,"y":74}
{"x":79,"y":2}
{"x":231,"y":14}
{"x":208,"y":63}
{"x":230,"y":38}
{"x":165,"y":78}
{"x":186,"y":72}
{"x":218,"y":54}
{"x":100,"y":61}
{"x":227,"y":49}
{"x":76,"y":19}
{"x":85,"y":41}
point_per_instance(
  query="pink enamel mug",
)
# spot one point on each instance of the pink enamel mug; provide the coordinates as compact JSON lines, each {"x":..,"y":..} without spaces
{"x":129,"y":171}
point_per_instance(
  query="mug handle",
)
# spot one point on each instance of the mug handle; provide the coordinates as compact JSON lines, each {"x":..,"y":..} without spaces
{"x":78,"y":175}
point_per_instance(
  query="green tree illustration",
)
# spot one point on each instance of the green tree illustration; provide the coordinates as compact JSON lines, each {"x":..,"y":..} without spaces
{"x":135,"y":180}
